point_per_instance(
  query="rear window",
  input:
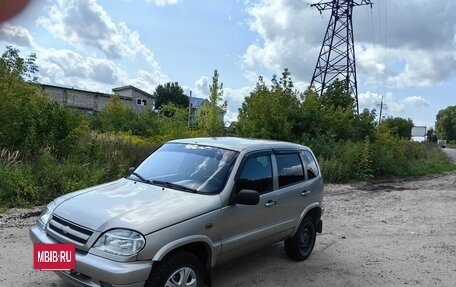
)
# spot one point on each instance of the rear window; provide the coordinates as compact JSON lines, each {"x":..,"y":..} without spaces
{"x":311,"y":164}
{"x":290,"y":169}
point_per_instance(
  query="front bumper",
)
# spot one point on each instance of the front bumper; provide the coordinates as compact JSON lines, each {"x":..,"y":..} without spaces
{"x":95,"y":271}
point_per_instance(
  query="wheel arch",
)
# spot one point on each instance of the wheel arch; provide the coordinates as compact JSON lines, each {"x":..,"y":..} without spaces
{"x":315,"y":211}
{"x":200,"y":246}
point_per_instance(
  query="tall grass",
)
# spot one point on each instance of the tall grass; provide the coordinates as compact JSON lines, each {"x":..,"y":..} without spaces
{"x":386,"y":157}
{"x":96,"y":158}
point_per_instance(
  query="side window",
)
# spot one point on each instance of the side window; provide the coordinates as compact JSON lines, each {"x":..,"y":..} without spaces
{"x":290,"y":169}
{"x":312,"y":170}
{"x":256,"y":174}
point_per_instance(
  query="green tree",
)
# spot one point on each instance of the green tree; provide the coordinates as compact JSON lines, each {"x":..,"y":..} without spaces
{"x":364,"y":125}
{"x":29,"y":121}
{"x":311,"y":122}
{"x":445,"y":125}
{"x":333,"y":116}
{"x":430,"y":135}
{"x":339,"y":110}
{"x":211,"y":115}
{"x":115,"y":117}
{"x":14,"y":68}
{"x":399,"y":126}
{"x":172,"y":123}
{"x":337,"y":96}
{"x":271,"y":112}
{"x":170,"y":93}
{"x":147,"y":124}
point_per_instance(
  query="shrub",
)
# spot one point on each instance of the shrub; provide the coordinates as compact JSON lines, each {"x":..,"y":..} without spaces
{"x":388,"y":156}
{"x":349,"y":161}
{"x":17,"y":184}
{"x":333,"y":170}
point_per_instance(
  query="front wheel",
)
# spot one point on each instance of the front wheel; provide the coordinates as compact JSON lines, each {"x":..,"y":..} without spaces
{"x":182,"y":269}
{"x":300,"y":246}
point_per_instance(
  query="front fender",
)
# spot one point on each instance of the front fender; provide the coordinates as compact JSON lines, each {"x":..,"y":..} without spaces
{"x":171,"y":246}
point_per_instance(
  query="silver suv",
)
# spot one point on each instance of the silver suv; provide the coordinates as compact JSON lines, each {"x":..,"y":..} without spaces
{"x":191,"y":205}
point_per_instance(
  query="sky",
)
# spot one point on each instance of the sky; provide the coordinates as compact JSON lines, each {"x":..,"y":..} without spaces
{"x":405,"y":50}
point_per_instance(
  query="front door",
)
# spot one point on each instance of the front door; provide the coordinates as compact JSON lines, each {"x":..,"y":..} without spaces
{"x":247,"y":227}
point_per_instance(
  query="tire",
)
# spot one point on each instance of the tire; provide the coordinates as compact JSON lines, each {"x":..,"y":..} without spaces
{"x":179,"y":269}
{"x":300,"y":246}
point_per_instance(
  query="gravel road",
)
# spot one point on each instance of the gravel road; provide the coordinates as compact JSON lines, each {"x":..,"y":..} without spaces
{"x":395,"y":233}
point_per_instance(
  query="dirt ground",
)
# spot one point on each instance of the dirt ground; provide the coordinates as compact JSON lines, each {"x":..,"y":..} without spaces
{"x":395,"y":233}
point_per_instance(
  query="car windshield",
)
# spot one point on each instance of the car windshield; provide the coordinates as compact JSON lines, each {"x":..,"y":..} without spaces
{"x":187,"y":167}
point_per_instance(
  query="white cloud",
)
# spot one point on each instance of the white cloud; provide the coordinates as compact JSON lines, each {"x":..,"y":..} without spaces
{"x":163,"y":2}
{"x":235,"y":98}
{"x":301,"y":86}
{"x":201,"y":87}
{"x":16,"y":35}
{"x":416,"y":101}
{"x":146,"y":81}
{"x":370,"y":60}
{"x":251,"y":76}
{"x":68,"y":68}
{"x":369,"y":100}
{"x":65,"y":67}
{"x":88,"y":28}
{"x":422,"y":68}
{"x":288,"y":37}
{"x":391,"y":102}
{"x":82,"y":22}
{"x":411,"y":24}
{"x":86,"y":24}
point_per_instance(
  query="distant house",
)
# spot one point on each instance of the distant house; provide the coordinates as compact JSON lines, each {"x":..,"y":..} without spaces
{"x":195,"y":109}
{"x":140,"y":99}
{"x":232,"y":128}
{"x":196,"y":104}
{"x":89,"y":101}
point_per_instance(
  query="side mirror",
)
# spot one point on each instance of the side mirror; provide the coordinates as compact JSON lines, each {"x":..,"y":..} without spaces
{"x":131,"y":169}
{"x":247,"y":197}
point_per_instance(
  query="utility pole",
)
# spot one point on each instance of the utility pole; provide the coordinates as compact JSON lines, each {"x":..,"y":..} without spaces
{"x":337,"y":53}
{"x":382,"y":107}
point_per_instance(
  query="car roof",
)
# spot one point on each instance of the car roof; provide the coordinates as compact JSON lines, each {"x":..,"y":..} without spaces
{"x":238,"y":144}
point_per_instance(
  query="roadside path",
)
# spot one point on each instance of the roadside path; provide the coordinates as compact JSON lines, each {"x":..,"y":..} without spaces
{"x":451,"y":153}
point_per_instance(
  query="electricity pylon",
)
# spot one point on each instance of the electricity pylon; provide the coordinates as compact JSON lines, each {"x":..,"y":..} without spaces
{"x":337,"y":53}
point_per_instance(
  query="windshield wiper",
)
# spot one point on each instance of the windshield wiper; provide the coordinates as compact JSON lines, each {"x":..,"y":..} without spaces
{"x":174,"y":185}
{"x":140,"y":177}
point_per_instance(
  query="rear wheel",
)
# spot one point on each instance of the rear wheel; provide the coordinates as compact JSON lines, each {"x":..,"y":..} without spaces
{"x":181,"y":269}
{"x":300,"y":246}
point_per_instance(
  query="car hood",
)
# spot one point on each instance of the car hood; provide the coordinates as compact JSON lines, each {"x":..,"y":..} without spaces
{"x":134,"y":205}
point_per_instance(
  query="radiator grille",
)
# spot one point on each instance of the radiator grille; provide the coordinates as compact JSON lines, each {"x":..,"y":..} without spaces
{"x":68,"y":229}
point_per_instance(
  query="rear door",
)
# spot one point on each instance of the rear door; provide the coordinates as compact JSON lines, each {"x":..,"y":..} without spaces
{"x":294,"y":191}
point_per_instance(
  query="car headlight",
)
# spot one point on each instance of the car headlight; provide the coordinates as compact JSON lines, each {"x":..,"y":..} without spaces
{"x":122,"y":242}
{"x":46,"y":214}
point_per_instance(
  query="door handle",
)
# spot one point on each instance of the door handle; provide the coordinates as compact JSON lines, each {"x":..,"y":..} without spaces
{"x":305,"y":192}
{"x":270,"y":203}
